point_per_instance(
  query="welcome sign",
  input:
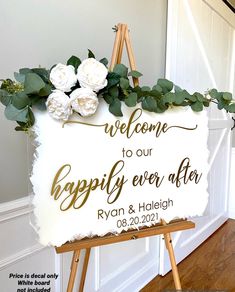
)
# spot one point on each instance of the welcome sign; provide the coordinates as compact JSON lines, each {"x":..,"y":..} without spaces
{"x":102,"y":174}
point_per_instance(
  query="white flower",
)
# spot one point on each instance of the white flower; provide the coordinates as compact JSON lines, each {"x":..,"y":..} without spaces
{"x":84,"y":101}
{"x":63,"y":77}
{"x":92,"y":74}
{"x":58,"y":105}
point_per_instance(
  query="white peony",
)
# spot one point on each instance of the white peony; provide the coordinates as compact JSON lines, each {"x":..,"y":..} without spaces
{"x":58,"y":105}
{"x":63,"y":77}
{"x":84,"y":101}
{"x":92,"y":74}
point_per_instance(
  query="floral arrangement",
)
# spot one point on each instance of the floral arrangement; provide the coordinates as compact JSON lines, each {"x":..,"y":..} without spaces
{"x":78,"y":86}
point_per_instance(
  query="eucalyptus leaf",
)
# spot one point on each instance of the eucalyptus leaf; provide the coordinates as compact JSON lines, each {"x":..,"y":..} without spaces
{"x":25,"y":71}
{"x":108,"y":98}
{"x":19,"y":77}
{"x":43,"y":73}
{"x":231,"y":108}
{"x":30,"y":117}
{"x":40,"y":104}
{"x":115,"y":108}
{"x":227,"y":96}
{"x":177,"y":88}
{"x":181,"y":96}
{"x":124,"y":83}
{"x":113,"y":79}
{"x":20,"y":100}
{"x":165,"y":84}
{"x":121,"y":70}
{"x":14,"y":114}
{"x":145,"y":88}
{"x":197,"y":106}
{"x":199,"y":96}
{"x":5,"y":97}
{"x":135,"y":74}
{"x":157,"y":88}
{"x":169,"y":98}
{"x":33,"y":83}
{"x":131,"y":99}
{"x":46,"y":90}
{"x":149,"y":104}
{"x":113,"y":91}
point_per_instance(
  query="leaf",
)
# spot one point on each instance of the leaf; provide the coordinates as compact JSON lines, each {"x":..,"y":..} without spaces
{"x":165,"y":84}
{"x":177,"y":89}
{"x":231,"y":108}
{"x":113,"y":91}
{"x":19,"y":77}
{"x":20,"y":100}
{"x":113,"y":79}
{"x":74,"y":61}
{"x":135,"y":74}
{"x":197,"y":106}
{"x":169,"y":98}
{"x":157,"y":87}
{"x":90,"y":54}
{"x":199,"y":96}
{"x":115,"y":108}
{"x":146,"y":88}
{"x":31,"y":118}
{"x":5,"y":98}
{"x":155,"y":93}
{"x":39,"y":102}
{"x":108,"y":98}
{"x":192,"y":98}
{"x":43,"y":73}
{"x":104,"y":61}
{"x":14,"y":114}
{"x":149,"y":104}
{"x":227,"y":96}
{"x":121,"y":70}
{"x":25,"y":71}
{"x":46,"y":90}
{"x":124,"y":83}
{"x":180,"y":97}
{"x":33,"y":83}
{"x":131,"y":99}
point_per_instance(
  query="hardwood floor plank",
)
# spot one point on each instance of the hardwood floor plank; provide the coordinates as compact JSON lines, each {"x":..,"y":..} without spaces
{"x":210,"y":266}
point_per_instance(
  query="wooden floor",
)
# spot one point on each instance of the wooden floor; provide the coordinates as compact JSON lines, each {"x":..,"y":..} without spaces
{"x":210,"y":266}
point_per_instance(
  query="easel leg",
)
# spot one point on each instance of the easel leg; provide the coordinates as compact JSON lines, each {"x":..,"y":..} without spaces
{"x":74,"y":266}
{"x":84,"y":270}
{"x":168,"y":242}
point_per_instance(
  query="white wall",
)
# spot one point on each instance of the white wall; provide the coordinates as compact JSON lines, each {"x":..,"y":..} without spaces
{"x":44,"y":32}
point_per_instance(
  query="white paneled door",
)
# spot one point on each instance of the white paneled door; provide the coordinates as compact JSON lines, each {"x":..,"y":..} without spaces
{"x":200,"y":55}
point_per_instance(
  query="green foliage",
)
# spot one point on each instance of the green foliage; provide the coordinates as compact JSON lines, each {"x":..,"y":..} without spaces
{"x":33,"y":83}
{"x":121,"y":70}
{"x":32,"y":88}
{"x":74,"y":61}
{"x":131,"y":99}
{"x":104,"y":61}
{"x":115,"y":107}
{"x":90,"y":54}
{"x":135,"y":74}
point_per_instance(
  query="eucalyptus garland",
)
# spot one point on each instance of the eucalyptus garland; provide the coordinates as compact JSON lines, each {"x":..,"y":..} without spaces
{"x":32,"y":88}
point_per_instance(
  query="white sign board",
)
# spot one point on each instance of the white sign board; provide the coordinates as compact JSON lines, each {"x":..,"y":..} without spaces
{"x":106,"y":174}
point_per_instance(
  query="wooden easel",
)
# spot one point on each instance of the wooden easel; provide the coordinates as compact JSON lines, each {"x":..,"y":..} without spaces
{"x":122,"y":35}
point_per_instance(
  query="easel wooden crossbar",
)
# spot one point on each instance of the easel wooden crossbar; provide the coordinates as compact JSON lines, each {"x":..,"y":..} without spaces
{"x":122,"y":36}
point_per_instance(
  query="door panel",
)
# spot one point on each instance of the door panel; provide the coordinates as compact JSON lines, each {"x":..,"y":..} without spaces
{"x":200,"y":55}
